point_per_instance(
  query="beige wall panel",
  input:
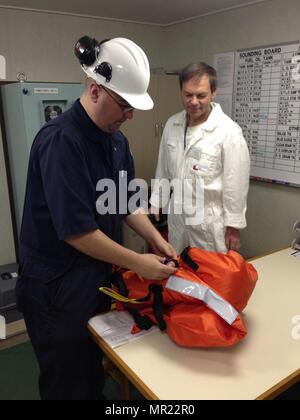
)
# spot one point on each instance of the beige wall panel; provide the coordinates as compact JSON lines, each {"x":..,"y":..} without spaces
{"x":41,"y":44}
{"x":272,"y":211}
{"x":264,"y":23}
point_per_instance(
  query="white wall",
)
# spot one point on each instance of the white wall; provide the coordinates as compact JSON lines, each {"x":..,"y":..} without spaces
{"x":272,"y":211}
{"x":41,"y":44}
{"x":270,"y":22}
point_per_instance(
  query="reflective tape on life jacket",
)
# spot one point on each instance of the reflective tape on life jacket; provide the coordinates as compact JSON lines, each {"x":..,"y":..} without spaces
{"x":198,"y":291}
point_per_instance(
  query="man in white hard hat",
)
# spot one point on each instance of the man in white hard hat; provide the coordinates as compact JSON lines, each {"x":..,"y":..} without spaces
{"x":67,"y":248}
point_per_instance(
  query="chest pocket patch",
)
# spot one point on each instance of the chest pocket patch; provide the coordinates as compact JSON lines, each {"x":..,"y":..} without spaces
{"x":194,"y":153}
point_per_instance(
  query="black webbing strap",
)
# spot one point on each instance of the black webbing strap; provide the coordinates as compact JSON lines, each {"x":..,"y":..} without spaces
{"x":117,"y":280}
{"x":142,"y":321}
{"x":158,"y":305}
{"x":188,"y":260}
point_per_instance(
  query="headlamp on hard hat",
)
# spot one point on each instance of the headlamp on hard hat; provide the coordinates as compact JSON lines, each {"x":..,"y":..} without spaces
{"x":118,"y":64}
{"x":87,"y":51}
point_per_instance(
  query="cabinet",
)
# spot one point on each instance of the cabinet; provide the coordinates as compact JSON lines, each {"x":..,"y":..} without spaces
{"x":26,"y":108}
{"x":145,"y":129}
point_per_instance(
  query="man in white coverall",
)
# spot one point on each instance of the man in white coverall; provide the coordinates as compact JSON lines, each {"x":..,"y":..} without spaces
{"x":203,"y":143}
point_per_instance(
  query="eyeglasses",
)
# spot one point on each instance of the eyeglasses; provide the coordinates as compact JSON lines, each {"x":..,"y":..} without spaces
{"x":125,"y":107}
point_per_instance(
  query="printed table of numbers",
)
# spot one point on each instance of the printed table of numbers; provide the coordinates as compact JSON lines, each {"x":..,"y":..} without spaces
{"x":267,"y":107}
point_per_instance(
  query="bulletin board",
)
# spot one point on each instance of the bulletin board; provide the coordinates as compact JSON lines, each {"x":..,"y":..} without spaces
{"x":265,"y":94}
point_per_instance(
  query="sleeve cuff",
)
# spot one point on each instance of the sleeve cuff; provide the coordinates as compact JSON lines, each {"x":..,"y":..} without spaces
{"x":77,"y":230}
{"x":235,"y":220}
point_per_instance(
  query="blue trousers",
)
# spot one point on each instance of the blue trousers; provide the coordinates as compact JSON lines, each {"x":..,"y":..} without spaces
{"x":56,"y":313}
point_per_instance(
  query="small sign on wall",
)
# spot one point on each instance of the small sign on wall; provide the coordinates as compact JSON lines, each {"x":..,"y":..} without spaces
{"x":2,"y":67}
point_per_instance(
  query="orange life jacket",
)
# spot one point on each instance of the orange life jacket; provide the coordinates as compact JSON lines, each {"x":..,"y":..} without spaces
{"x":199,"y":306}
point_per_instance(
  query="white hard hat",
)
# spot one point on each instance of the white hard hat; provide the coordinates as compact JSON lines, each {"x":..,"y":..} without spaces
{"x":118,"y":64}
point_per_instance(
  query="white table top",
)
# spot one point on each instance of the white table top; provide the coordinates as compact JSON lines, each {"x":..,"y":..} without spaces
{"x":267,"y":356}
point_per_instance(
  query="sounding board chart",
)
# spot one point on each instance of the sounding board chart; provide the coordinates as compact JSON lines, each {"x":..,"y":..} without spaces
{"x":267,"y":107}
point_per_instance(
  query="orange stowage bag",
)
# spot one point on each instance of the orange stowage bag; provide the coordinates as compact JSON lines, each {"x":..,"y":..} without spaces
{"x":229,"y":274}
{"x":199,"y":326}
{"x":199,"y":306}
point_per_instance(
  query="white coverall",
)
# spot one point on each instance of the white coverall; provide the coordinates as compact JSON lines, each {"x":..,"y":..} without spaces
{"x":217,"y":152}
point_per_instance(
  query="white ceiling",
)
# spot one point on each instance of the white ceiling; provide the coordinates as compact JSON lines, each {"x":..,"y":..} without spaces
{"x":157,"y":12}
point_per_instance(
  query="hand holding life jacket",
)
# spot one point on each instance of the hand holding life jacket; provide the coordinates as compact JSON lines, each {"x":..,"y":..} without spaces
{"x":199,"y":306}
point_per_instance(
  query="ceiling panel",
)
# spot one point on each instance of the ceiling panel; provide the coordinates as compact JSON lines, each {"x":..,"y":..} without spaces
{"x":159,"y":12}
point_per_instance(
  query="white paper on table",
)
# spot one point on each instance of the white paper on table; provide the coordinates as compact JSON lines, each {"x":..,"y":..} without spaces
{"x":115,"y":328}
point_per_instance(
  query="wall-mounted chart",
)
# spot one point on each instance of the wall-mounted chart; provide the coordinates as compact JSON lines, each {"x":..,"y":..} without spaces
{"x":266,"y":104}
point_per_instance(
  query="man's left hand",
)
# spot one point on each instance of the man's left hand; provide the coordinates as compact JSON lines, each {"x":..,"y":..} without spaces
{"x":232,"y":239}
{"x":164,"y":249}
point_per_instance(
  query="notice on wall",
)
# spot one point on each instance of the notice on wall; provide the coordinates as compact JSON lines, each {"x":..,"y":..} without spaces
{"x":267,"y":107}
{"x":224,"y":64}
{"x":2,"y":68}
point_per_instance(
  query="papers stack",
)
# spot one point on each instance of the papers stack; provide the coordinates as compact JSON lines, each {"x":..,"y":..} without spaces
{"x":115,"y":328}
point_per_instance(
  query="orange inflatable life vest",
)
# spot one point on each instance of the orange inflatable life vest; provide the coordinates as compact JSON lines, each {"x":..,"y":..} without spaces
{"x":199,"y":306}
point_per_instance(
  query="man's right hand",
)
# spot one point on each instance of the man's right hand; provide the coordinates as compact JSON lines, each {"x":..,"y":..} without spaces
{"x":152,"y":267}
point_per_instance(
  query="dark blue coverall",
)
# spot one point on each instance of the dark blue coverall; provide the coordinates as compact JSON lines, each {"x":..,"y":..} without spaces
{"x":57,"y":290}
